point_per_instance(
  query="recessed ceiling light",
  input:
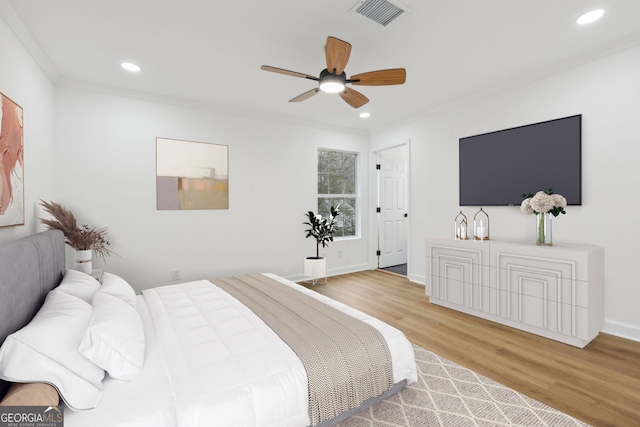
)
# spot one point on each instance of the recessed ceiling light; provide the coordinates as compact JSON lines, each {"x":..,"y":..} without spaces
{"x":131,"y":67}
{"x":589,"y":17}
{"x":365,"y":115}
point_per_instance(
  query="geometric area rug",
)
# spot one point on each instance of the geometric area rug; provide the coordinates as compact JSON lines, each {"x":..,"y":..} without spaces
{"x":449,"y":395}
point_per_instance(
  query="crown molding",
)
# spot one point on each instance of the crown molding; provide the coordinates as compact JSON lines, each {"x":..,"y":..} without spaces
{"x":9,"y":15}
{"x":236,"y":111}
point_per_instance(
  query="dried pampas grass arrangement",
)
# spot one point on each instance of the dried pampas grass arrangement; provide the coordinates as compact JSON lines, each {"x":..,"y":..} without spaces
{"x":78,"y":237}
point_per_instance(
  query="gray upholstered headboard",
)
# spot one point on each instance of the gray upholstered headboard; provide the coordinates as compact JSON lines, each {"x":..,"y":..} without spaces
{"x":29,"y":269}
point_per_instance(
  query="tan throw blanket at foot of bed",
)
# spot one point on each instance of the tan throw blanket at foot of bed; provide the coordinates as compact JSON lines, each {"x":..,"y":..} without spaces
{"x":347,"y":361}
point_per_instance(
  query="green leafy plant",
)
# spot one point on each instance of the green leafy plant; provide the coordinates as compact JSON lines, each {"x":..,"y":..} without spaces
{"x":78,"y":237}
{"x":321,"y":228}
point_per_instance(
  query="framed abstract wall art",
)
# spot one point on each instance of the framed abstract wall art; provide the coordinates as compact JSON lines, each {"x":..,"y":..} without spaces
{"x":11,"y":164}
{"x":191,"y":175}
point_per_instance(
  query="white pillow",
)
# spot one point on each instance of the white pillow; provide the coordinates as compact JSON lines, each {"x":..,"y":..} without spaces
{"x":46,"y":350}
{"x":115,"y":337}
{"x":118,"y":287}
{"x":79,"y":285}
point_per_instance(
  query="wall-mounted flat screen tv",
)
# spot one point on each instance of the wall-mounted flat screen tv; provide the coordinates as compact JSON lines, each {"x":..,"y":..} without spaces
{"x":496,"y":168}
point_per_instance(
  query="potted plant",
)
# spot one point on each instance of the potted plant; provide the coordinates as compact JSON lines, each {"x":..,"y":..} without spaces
{"x":83,"y":239}
{"x":322,"y":230}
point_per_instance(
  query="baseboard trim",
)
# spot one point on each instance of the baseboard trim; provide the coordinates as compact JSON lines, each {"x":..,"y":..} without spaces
{"x":622,"y":330}
{"x":333,"y":272}
{"x":416,"y":278}
{"x":349,"y":269}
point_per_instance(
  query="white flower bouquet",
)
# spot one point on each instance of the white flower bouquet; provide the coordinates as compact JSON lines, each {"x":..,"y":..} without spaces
{"x":543,"y":202}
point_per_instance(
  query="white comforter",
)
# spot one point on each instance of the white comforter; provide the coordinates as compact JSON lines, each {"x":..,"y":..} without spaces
{"x":211,"y":361}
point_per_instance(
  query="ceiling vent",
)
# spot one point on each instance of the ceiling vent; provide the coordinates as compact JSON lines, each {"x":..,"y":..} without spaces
{"x":383,"y":12}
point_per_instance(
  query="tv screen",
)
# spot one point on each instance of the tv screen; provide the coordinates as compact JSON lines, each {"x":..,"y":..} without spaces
{"x":497,"y":168}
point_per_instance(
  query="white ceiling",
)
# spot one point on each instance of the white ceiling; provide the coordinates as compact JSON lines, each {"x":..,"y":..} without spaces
{"x":209,"y":52}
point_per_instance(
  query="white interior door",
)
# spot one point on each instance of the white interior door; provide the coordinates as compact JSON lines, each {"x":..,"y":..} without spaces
{"x":392,"y":199}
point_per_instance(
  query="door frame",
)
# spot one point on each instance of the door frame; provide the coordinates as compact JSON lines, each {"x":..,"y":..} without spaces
{"x":375,"y":202}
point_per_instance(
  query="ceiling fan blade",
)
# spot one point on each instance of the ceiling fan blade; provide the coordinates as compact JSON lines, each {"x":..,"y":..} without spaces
{"x":308,"y":94}
{"x":354,"y":98}
{"x":337,"y":53}
{"x":287,"y":72}
{"x":395,"y":76}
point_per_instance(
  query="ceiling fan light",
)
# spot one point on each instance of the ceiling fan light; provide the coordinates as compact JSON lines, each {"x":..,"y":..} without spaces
{"x":332,"y":83}
{"x":332,"y":87}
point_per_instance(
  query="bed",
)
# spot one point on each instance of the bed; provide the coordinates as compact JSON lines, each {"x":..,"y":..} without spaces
{"x":231,"y":351}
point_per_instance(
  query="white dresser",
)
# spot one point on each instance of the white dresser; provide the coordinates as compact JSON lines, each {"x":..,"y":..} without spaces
{"x":553,"y":291}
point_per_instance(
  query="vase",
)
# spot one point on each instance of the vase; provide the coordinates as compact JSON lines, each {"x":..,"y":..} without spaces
{"x":543,"y":229}
{"x":83,"y":261}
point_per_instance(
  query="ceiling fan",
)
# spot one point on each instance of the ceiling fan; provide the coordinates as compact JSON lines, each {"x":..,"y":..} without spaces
{"x":334,"y":80}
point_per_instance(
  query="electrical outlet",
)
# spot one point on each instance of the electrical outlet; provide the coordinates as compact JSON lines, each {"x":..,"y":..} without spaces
{"x":339,"y":253}
{"x":175,"y":275}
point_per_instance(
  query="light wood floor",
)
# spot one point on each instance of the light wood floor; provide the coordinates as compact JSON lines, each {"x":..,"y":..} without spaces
{"x":599,"y":384}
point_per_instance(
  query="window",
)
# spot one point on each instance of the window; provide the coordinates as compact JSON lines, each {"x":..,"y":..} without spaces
{"x":337,"y":186}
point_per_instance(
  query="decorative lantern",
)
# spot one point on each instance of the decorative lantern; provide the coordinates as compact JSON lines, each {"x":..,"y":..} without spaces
{"x":462,"y":227}
{"x":481,"y":225}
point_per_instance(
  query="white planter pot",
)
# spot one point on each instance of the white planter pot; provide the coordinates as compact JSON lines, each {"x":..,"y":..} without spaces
{"x":315,"y":268}
{"x":83,"y":261}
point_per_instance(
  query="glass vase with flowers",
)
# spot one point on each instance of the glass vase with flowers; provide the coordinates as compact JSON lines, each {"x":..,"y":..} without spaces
{"x":544,"y":204}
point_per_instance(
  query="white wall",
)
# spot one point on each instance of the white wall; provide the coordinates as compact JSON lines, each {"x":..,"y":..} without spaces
{"x":607,"y":94}
{"x":105,"y":157}
{"x":24,"y":82}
